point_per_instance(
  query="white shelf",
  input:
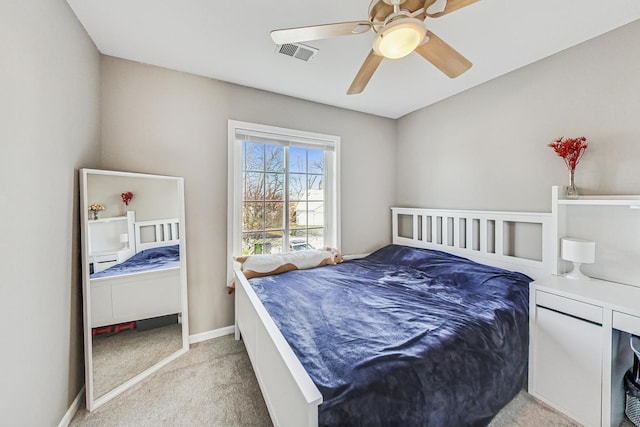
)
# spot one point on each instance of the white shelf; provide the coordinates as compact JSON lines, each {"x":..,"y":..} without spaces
{"x":115,"y":218}
{"x":631,"y":201}
{"x":599,"y":201}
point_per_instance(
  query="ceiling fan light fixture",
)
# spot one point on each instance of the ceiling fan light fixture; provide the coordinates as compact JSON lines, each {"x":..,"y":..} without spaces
{"x":399,"y":38}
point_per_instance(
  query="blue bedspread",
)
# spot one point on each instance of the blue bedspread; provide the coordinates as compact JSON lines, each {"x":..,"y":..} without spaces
{"x":405,"y":336}
{"x":147,"y":260}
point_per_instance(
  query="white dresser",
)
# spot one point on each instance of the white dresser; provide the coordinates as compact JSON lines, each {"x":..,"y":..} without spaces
{"x":101,"y":260}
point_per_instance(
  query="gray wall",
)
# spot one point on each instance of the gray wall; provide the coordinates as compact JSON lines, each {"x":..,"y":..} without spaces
{"x":49,"y":127}
{"x":152,"y":198}
{"x":487,"y":147}
{"x":156,"y":120}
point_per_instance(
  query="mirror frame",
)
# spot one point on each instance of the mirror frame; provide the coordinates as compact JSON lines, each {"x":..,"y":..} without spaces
{"x":91,"y":401}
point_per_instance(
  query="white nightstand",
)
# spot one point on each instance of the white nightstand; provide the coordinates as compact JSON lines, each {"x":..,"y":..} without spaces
{"x":101,"y":260}
{"x":579,"y":346}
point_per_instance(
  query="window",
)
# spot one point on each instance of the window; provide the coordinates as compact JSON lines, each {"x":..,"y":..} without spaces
{"x":283,"y":195}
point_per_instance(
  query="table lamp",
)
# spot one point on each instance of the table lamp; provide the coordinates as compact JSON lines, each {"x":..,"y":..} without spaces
{"x":578,"y":252}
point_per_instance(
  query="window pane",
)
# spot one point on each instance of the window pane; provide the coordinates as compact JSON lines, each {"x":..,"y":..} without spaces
{"x":253,"y":186}
{"x":274,"y":215}
{"x":316,"y":161}
{"x":251,"y":241}
{"x":316,"y":237}
{"x":253,"y":156}
{"x":315,"y":214}
{"x":298,"y":240}
{"x":274,"y":158}
{"x":275,"y":187}
{"x":297,"y":186}
{"x":252,"y":216}
{"x":297,"y":159}
{"x":298,"y":215}
{"x":273,"y":241}
{"x":298,"y":235}
{"x":315,"y":184}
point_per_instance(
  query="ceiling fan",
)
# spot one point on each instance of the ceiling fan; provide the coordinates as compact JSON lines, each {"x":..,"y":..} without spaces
{"x":399,"y":25}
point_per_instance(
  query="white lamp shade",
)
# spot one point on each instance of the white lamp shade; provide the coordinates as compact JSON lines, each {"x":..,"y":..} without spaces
{"x":399,"y":38}
{"x":577,"y":250}
{"x":124,"y":238}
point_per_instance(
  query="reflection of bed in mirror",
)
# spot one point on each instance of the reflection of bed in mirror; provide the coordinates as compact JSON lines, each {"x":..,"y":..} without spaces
{"x":140,"y":282}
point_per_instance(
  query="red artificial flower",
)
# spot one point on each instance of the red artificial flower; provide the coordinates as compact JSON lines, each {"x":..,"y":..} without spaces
{"x":126,"y":197}
{"x":570,"y":149}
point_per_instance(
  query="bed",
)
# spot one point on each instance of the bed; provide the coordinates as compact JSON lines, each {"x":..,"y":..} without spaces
{"x":147,"y":284}
{"x":153,"y":259}
{"x":323,"y":350}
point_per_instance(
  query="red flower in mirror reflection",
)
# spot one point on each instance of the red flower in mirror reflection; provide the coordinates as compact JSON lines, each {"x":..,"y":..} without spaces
{"x":126,"y":197}
{"x":570,"y":149}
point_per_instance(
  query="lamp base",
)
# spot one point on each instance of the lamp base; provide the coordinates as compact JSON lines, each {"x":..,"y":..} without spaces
{"x":576,"y":273}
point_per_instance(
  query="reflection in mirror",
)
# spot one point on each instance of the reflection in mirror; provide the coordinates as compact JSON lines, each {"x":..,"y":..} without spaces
{"x":134,"y":270}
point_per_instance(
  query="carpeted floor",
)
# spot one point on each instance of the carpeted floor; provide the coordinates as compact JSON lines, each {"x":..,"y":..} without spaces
{"x":121,"y":356}
{"x":214,"y":385}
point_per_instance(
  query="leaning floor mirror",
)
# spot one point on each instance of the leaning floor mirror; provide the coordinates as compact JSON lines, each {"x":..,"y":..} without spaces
{"x":134,"y":278}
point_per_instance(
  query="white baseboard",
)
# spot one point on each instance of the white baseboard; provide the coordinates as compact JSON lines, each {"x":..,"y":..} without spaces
{"x":75,"y":405}
{"x":216,"y":333}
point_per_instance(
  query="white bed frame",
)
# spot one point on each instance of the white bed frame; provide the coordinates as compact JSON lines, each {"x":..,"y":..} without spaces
{"x":291,"y":396}
{"x":477,"y":235}
{"x":166,"y":232}
{"x":140,"y":295}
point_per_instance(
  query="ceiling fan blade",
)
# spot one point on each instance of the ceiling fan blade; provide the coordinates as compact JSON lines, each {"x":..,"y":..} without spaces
{"x":301,"y":34}
{"x":435,"y":9}
{"x":364,"y":74}
{"x":444,"y":57}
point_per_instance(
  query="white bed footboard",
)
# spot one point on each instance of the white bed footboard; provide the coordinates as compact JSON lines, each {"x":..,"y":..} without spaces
{"x":129,"y":297}
{"x":291,"y":396}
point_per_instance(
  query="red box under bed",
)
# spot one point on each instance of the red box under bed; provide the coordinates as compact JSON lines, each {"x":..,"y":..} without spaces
{"x":102,"y":330}
{"x":124,"y":327}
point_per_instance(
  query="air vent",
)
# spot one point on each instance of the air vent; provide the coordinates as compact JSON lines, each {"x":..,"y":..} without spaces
{"x":297,"y":50}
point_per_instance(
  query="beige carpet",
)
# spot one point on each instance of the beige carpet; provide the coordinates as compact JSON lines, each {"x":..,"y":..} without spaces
{"x":121,"y":356}
{"x":214,"y":385}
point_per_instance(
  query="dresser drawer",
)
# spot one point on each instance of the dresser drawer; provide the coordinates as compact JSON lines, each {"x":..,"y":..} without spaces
{"x":106,"y":258}
{"x":626,"y":323}
{"x":569,"y":306}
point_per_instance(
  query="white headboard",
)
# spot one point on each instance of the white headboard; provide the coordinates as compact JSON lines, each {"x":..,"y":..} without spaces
{"x":477,"y":235}
{"x":163,"y":232}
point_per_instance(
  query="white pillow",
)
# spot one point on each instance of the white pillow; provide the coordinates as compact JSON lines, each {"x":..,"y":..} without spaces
{"x":266,"y":265}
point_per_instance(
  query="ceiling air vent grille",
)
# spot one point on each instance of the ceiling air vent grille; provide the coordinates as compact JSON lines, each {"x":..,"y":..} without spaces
{"x":297,"y":50}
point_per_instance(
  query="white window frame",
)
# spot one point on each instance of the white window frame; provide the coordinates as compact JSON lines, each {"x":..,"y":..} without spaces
{"x":234,"y":192}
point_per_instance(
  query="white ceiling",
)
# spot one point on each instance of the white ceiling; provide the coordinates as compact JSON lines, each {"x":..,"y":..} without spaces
{"x":229,"y":40}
